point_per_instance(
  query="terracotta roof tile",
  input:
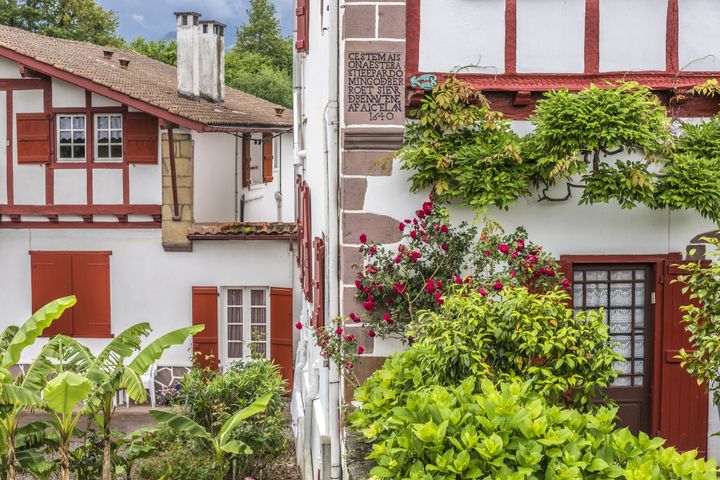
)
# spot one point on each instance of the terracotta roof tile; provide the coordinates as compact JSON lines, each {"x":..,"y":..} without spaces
{"x":265,"y":230}
{"x":145,"y":79}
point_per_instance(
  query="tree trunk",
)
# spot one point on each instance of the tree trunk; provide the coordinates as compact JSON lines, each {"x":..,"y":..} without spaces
{"x":11,"y":459}
{"x":107,"y":464}
{"x":64,"y":460}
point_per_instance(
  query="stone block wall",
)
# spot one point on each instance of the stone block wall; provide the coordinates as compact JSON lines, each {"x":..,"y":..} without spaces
{"x":372,"y":130}
{"x":175,"y":230}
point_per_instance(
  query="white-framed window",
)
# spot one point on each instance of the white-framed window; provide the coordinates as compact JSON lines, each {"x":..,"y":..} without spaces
{"x":108,"y":137}
{"x":245,"y":328}
{"x":71,"y":138}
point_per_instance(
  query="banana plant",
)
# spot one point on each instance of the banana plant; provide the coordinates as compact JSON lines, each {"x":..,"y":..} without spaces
{"x":223,"y":443}
{"x":22,"y":392}
{"x":62,"y":395}
{"x":108,"y":374}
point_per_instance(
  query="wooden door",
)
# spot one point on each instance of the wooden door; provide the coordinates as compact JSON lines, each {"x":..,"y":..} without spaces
{"x":623,"y":292}
{"x":281,"y":331}
{"x":683,"y":404}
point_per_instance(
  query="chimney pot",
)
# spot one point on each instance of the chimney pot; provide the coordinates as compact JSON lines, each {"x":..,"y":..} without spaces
{"x":124,"y":63}
{"x":212,"y":60}
{"x":279,"y":111}
{"x":107,"y":54}
{"x":188,"y":53}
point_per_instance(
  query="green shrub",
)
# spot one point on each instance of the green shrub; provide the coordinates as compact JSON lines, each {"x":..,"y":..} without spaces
{"x":209,"y":398}
{"x":187,"y":458}
{"x":506,"y":431}
{"x":514,"y":335}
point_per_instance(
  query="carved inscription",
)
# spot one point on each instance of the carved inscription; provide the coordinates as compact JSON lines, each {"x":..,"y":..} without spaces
{"x":375,"y":84}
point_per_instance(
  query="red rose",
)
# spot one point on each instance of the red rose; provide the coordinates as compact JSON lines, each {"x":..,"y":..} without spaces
{"x":445,"y":247}
{"x":503,"y":248}
{"x":487,"y":253}
{"x":372,"y":334}
{"x":358,"y":284}
{"x":427,"y":208}
{"x":354,"y":318}
{"x":415,"y":256}
{"x":430,"y":286}
{"x":398,"y":259}
{"x":372,"y":250}
{"x":399,"y":288}
{"x":413,"y":234}
{"x":363,"y":238}
{"x":338,"y":331}
{"x":299,"y":325}
{"x":438,"y":298}
{"x":401,"y":226}
{"x":369,"y":305}
{"x":360,"y":350}
{"x":498,"y":285}
{"x":444,"y":229}
{"x":482,"y":291}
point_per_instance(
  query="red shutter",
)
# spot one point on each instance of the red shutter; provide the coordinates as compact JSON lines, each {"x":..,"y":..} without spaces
{"x":302,"y":26}
{"x":267,"y":157}
{"x":307,"y":243}
{"x":246,"y":159}
{"x":33,"y":137}
{"x":51,"y":279}
{"x":299,"y":220}
{"x":91,"y":285}
{"x":281,"y":325}
{"x":318,"y":319}
{"x":205,"y":312}
{"x":683,"y":404}
{"x":141,"y":138}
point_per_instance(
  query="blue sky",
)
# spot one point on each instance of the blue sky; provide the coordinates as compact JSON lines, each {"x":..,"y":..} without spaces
{"x":154,"y":19}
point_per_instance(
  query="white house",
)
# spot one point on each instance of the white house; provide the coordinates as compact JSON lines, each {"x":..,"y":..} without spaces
{"x":153,"y":194}
{"x":360,"y":62}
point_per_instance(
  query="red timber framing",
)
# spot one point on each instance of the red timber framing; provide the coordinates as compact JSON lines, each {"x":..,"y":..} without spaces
{"x":502,"y":89}
{"x":318,"y":316}
{"x":304,"y":224}
{"x":88,"y":210}
{"x":679,"y":407}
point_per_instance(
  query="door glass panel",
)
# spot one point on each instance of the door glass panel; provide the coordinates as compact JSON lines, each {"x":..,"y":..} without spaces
{"x":620,"y":293}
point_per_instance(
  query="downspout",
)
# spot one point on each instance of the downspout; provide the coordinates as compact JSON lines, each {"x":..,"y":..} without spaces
{"x":333,"y":221}
{"x":173,"y":173}
{"x":237,"y":180}
{"x":278,"y":193}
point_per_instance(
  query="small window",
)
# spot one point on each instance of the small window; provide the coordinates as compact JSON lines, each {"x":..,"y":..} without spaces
{"x":108,"y":138}
{"x":71,"y":138}
{"x":246,"y":330}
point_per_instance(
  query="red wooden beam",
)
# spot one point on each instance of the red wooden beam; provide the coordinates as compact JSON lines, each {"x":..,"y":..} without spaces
{"x":592,"y":36}
{"x":21,"y":83}
{"x":173,"y":173}
{"x":510,"y":36}
{"x":80,"y":225}
{"x":672,"y":37}
{"x":412,"y":35}
{"x":9,"y":149}
{"x":80,"y":210}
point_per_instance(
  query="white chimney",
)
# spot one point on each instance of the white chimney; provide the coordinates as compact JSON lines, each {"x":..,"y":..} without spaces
{"x":188,"y":53}
{"x":212,"y":60}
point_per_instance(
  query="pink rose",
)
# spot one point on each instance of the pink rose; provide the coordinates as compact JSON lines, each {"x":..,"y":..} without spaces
{"x":498,"y":285}
{"x":482,"y":291}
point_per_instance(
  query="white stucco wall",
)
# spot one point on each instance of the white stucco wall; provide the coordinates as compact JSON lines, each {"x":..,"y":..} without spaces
{"x":147,"y":283}
{"x":28,"y":180}
{"x":71,"y":187}
{"x":9,"y":69}
{"x":108,"y":186}
{"x":67,"y":95}
{"x":3,"y":151}
{"x":550,"y":36}
{"x":699,"y":35}
{"x":456,"y":33}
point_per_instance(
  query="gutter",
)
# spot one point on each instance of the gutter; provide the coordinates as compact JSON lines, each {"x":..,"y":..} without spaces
{"x":173,"y":173}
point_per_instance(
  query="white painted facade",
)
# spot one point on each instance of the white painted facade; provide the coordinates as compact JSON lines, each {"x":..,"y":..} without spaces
{"x":147,"y":283}
{"x":471,"y":34}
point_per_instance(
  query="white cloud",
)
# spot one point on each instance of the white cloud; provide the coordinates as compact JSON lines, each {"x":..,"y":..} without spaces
{"x":217,"y":9}
{"x":140,"y":19}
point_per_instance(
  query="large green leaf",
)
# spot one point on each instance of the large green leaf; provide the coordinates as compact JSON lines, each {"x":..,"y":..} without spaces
{"x":154,"y":351}
{"x":254,"y":408}
{"x":20,"y":396}
{"x":180,"y":424}
{"x":65,"y":391}
{"x":236,"y":447}
{"x":66,"y":353}
{"x":7,"y":336}
{"x":132,"y":383}
{"x":33,"y":328}
{"x":120,"y":348}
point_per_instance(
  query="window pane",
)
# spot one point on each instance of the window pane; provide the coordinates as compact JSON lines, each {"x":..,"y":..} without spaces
{"x":115,"y":121}
{"x":235,"y":297}
{"x":620,"y":320}
{"x":78,"y":136}
{"x":235,"y":332}
{"x":116,"y":151}
{"x":235,"y":350}
{"x":596,"y":294}
{"x":257,"y":297}
{"x":596,"y":276}
{"x":258,"y":315}
{"x":621,"y":275}
{"x":102,"y":121}
{"x":235,"y":315}
{"x":621,"y":294}
{"x":79,"y":152}
{"x":65,"y":123}
{"x":65,"y":151}
{"x":259,"y":349}
{"x":116,"y":136}
{"x":79,"y":122}
{"x":65,"y":136}
{"x":103,"y":137}
{"x":103,"y":151}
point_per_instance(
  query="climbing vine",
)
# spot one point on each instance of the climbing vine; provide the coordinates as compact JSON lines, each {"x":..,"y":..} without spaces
{"x":612,"y":143}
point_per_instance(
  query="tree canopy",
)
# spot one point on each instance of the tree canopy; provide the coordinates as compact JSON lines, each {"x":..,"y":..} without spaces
{"x":71,"y":19}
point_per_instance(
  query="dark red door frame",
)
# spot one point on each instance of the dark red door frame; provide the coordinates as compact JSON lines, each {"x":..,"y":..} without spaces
{"x":658,"y":262}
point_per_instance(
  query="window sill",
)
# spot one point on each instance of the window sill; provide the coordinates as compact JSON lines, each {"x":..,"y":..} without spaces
{"x":80,"y":336}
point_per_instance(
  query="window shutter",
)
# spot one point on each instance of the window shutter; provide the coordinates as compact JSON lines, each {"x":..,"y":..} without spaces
{"x":299,"y":220}
{"x":683,"y":403}
{"x":50,"y":278}
{"x":267,"y":157}
{"x":33,"y":137}
{"x":281,"y":324}
{"x":91,"y":285}
{"x":319,"y":284}
{"x":246,"y":178}
{"x":141,"y":138}
{"x":302,"y":26}
{"x":307,"y":243}
{"x":205,"y":312}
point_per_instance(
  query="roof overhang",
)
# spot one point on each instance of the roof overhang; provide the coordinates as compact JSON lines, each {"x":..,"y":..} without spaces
{"x":103,"y":90}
